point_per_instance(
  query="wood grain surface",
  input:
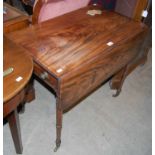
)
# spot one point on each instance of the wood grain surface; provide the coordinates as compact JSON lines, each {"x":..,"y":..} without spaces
{"x":75,"y":44}
{"x":72,"y":54}
{"x":14,"y":19}
{"x":16,"y":57}
{"x":14,"y":89}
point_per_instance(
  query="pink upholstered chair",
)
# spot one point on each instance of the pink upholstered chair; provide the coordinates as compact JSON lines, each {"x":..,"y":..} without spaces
{"x":48,"y":9}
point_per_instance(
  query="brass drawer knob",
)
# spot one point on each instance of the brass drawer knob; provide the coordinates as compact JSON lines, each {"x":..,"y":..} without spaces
{"x":44,"y":75}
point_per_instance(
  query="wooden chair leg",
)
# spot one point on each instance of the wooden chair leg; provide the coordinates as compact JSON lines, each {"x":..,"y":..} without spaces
{"x":13,"y":120}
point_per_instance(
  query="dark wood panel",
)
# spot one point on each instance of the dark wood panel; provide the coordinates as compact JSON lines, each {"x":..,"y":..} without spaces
{"x":76,"y":85}
{"x":131,"y":8}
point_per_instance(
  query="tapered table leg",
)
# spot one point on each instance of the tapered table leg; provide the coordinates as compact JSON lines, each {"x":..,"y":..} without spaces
{"x":59,"y":114}
{"x":13,"y":120}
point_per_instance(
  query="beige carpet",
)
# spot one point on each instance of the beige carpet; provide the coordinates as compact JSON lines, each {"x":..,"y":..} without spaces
{"x":100,"y":125}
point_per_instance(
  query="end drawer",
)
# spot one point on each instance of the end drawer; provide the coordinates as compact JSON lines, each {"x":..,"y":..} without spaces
{"x":45,"y":76}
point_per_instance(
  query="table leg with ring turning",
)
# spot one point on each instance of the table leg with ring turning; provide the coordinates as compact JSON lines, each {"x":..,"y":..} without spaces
{"x":59,"y":115}
{"x":117,"y":80}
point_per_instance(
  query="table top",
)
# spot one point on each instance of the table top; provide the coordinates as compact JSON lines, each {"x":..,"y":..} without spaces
{"x":63,"y":44}
{"x":22,"y":64}
{"x":12,"y":14}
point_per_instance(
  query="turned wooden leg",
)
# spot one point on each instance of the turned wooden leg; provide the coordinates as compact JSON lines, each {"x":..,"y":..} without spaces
{"x":59,"y":116}
{"x":30,"y":91}
{"x":117,"y":80}
{"x":13,"y":120}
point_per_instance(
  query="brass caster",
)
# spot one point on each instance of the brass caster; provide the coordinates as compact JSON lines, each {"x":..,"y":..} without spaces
{"x":110,"y":84}
{"x":56,"y":148}
{"x":117,"y":93}
{"x":57,"y":145}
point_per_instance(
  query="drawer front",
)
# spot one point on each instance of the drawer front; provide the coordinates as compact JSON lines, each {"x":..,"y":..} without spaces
{"x":46,"y":77}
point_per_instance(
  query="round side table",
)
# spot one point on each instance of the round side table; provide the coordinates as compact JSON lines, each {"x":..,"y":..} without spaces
{"x":18,"y":67}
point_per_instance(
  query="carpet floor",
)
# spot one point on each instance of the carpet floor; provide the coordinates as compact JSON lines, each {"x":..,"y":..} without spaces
{"x":99,"y":125}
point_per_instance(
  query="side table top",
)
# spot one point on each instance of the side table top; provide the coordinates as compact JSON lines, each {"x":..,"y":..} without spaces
{"x":22,"y":64}
{"x":13,"y":19}
{"x":11,"y":13}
